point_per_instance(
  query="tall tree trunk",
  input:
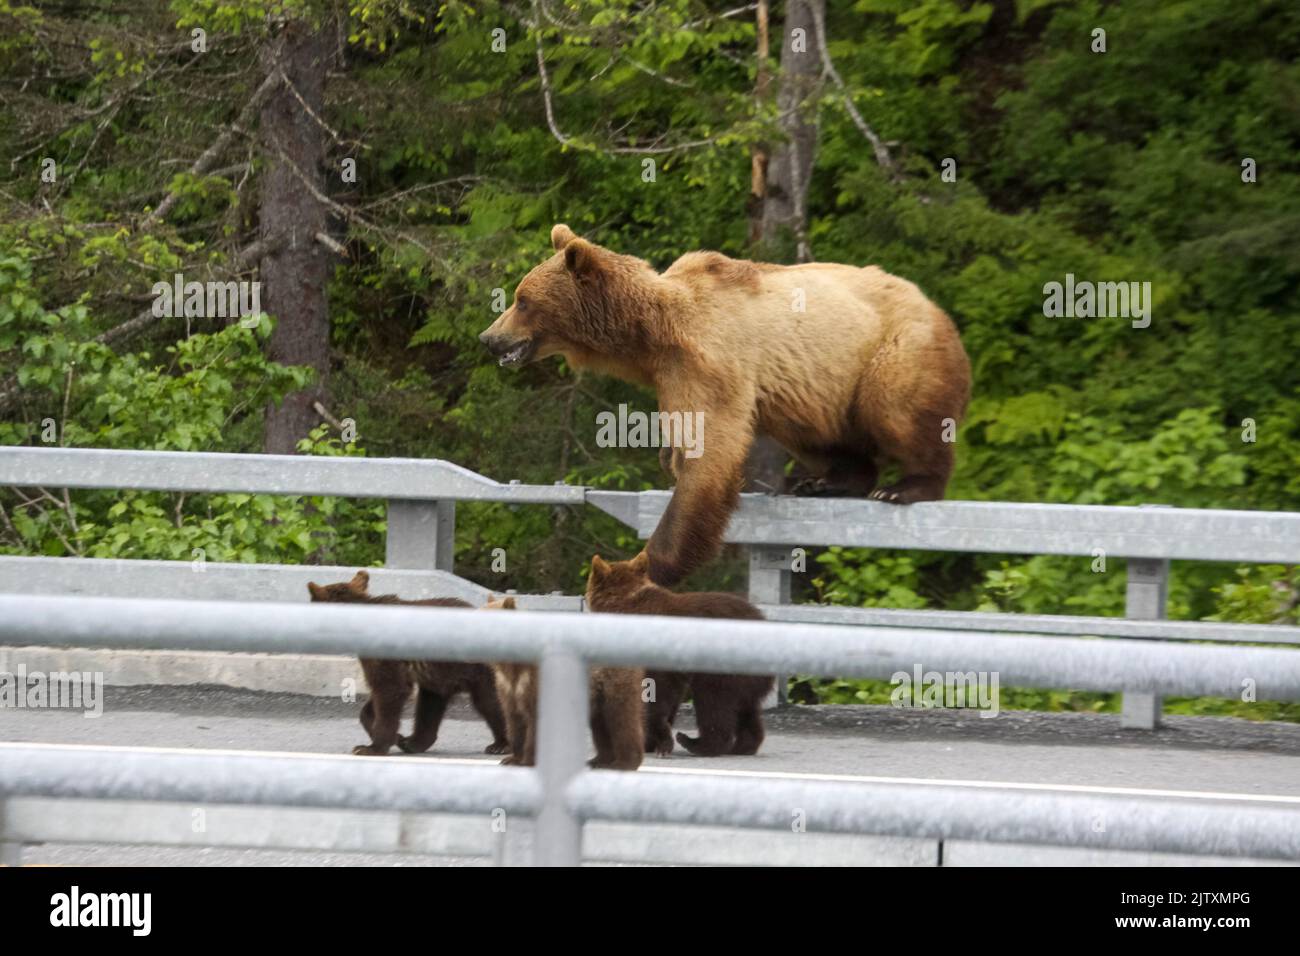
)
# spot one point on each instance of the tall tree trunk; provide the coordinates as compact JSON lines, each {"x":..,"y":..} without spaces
{"x":293,"y":277}
{"x":758,"y":158}
{"x":785,"y":211}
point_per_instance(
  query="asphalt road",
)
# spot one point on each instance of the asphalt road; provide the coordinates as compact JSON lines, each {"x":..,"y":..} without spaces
{"x":1220,"y":755}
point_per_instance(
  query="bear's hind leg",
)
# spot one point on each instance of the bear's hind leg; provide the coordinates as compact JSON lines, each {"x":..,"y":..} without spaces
{"x":927,"y":462}
{"x":717,"y":722}
{"x":749,"y":729}
{"x":600,"y":736}
{"x":483,"y":695}
{"x":430,"y":705}
{"x":669,"y":689}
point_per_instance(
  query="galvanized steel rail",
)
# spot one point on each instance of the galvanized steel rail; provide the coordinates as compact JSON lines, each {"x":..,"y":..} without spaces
{"x":563,"y":795}
{"x":422,"y":496}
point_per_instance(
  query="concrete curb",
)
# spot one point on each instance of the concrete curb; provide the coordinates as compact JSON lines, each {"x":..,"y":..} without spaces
{"x":317,"y":675}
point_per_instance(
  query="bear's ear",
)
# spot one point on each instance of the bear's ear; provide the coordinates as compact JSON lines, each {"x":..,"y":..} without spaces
{"x":641,"y":563}
{"x":360,"y":582}
{"x":561,"y":236}
{"x":599,"y":567}
{"x":508,"y":604}
{"x":581,"y":258}
{"x":317,"y":592}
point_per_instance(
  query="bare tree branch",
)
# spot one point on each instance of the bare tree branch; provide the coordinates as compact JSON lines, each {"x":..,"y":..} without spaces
{"x":338,"y":140}
{"x":877,"y":144}
{"x":213,"y":153}
{"x":565,"y":140}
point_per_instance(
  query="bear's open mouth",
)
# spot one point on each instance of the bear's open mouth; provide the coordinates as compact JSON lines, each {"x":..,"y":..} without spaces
{"x":516,"y":354}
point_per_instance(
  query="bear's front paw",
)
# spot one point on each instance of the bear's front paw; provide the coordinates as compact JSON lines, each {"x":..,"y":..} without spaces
{"x":497,"y":747}
{"x":369,"y":750}
{"x":889,"y":495}
{"x":812,"y":488}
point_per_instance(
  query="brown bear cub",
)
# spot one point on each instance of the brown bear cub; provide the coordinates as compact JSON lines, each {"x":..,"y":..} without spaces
{"x":728,"y":707}
{"x":613,"y":711}
{"x":390,"y":683}
{"x":844,"y":367}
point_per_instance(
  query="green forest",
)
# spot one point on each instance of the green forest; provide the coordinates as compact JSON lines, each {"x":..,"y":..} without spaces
{"x":406,"y":162}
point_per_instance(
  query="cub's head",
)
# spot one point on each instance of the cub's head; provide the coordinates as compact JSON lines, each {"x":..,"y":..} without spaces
{"x":608,"y":584}
{"x":498,"y":604}
{"x":560,"y":307}
{"x":354,"y":590}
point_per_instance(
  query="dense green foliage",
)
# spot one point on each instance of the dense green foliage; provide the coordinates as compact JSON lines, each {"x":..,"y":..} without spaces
{"x":1124,"y":166}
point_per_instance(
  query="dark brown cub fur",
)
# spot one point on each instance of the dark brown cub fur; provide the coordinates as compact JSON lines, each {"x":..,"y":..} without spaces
{"x":613,"y":711}
{"x":728,"y":707}
{"x":390,"y":683}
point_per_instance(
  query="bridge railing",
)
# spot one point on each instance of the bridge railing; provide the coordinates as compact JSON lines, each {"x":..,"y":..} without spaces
{"x":422,"y":496}
{"x":560,"y":795}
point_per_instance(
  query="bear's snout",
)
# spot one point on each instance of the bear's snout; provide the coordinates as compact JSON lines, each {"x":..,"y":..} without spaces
{"x":509,"y":349}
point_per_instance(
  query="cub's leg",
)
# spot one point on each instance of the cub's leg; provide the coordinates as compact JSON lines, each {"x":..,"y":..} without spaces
{"x":617,"y":720}
{"x":430,"y":705}
{"x":483,"y":695}
{"x":390,"y":688}
{"x":716,"y":716}
{"x":368,"y":715}
{"x":527,"y":757}
{"x":600,"y":736}
{"x":519,"y":730}
{"x":661,"y":710}
{"x":521,"y":712}
{"x":749,"y":729}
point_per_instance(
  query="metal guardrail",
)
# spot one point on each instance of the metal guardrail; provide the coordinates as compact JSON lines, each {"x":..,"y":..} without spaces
{"x":563,"y":794}
{"x":1153,"y":630}
{"x":401,"y":478}
{"x":422,"y":494}
{"x":989,"y":527}
{"x":215,"y":581}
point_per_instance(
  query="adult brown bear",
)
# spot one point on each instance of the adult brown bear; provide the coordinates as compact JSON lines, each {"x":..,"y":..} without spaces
{"x":838,"y":364}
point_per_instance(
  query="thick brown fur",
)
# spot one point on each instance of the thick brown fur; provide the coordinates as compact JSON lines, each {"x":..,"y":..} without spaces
{"x":391,"y":682}
{"x":728,"y":707}
{"x":869,"y":369}
{"x":614,"y":711}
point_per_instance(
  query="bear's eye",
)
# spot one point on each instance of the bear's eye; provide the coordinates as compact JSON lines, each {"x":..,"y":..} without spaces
{"x":521,"y":303}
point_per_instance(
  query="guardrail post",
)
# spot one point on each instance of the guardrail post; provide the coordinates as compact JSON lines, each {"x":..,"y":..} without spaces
{"x":1145,"y":599}
{"x":421,"y":534}
{"x":769,"y":583}
{"x":11,"y":853}
{"x":561,"y":754}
